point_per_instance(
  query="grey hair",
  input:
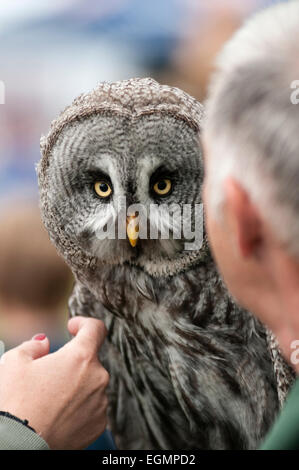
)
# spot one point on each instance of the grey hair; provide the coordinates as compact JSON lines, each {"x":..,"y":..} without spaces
{"x":252,"y":124}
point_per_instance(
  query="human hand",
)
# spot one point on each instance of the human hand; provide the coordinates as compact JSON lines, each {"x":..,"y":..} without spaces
{"x":62,"y":395}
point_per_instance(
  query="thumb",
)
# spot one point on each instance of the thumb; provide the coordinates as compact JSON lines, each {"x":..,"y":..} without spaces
{"x":89,"y":332}
{"x":35,"y":348}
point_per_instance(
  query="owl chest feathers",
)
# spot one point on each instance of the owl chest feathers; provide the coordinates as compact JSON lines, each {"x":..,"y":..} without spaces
{"x":169,"y":341}
{"x":149,"y":315}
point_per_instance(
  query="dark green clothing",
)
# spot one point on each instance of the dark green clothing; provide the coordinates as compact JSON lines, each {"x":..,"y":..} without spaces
{"x":16,"y":436}
{"x":284,"y":435}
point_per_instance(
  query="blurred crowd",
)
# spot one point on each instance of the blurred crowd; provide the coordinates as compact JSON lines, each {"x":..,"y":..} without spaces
{"x":50,"y":53}
{"x":53,"y":51}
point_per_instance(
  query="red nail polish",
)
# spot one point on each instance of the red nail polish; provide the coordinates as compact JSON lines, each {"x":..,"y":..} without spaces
{"x":39,"y":337}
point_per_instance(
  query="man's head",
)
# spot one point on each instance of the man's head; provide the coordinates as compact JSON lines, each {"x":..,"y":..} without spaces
{"x":251,"y":141}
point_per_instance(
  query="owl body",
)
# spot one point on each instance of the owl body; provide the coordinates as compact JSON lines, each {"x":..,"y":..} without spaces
{"x":184,"y":374}
{"x":188,"y":367}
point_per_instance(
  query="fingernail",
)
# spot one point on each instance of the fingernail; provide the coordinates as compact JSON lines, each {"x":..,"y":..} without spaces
{"x":39,"y":337}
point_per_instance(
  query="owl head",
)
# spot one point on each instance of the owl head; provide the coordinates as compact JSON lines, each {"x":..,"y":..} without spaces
{"x":118,"y":168}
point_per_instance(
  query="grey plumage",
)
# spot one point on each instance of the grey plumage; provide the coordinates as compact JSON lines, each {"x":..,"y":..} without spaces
{"x":189,"y":368}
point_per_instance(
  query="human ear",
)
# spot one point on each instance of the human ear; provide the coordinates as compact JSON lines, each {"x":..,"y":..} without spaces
{"x":243,"y":217}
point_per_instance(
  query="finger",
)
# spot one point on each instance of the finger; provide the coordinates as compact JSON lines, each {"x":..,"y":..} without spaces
{"x":89,"y":332}
{"x":35,"y":348}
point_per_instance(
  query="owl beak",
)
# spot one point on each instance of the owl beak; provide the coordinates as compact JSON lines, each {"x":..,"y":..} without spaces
{"x":133,"y":229}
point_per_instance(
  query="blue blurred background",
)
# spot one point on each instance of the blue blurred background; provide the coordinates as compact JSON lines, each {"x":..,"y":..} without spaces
{"x":51,"y":51}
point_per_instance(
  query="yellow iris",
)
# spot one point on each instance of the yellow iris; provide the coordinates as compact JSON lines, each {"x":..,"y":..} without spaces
{"x":162,"y":187}
{"x":102,"y":188}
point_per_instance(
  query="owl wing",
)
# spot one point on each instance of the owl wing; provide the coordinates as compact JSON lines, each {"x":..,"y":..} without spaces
{"x":81,"y":301}
{"x":223,"y":387}
{"x":124,"y":418}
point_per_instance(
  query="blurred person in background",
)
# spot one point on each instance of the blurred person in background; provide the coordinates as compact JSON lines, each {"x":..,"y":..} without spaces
{"x":34,"y":281}
{"x":204,"y":29}
{"x":174,"y":41}
{"x":210,"y":26}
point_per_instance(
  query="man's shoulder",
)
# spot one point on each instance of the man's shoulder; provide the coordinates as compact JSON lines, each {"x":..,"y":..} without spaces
{"x":285,"y":431}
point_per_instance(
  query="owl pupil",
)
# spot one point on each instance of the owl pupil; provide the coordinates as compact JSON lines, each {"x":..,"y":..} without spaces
{"x":161,"y":185}
{"x":104,"y":187}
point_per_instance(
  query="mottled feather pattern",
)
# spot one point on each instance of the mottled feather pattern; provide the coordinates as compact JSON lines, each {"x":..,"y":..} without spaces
{"x":189,"y":368}
{"x":209,"y":371}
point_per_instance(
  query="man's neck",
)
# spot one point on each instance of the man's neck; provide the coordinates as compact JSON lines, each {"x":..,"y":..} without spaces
{"x":282,"y":304}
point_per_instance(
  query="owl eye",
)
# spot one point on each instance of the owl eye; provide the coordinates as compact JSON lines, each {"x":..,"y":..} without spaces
{"x":162,"y":187}
{"x":102,"y":188}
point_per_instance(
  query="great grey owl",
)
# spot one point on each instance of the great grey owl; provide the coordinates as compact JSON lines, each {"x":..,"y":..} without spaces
{"x":189,"y":368}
